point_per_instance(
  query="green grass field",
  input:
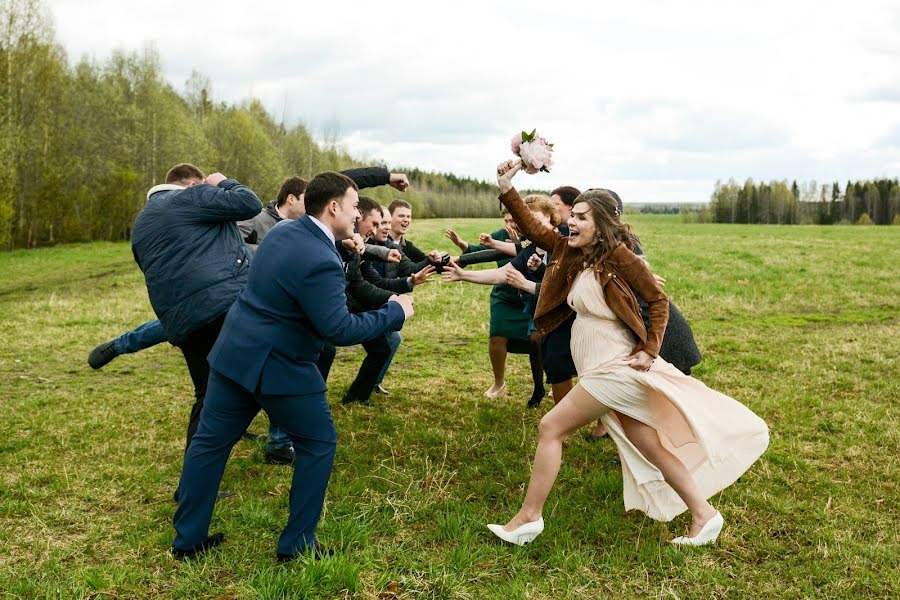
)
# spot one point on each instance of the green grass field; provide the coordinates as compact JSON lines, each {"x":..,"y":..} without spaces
{"x":802,"y":324}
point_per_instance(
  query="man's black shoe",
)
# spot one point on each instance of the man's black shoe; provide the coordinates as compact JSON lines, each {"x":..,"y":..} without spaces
{"x":102,"y":354}
{"x":319,"y":551}
{"x":380,"y":390}
{"x":280,"y":456}
{"x":351,"y":399}
{"x":210,"y":542}
{"x":254,"y":437}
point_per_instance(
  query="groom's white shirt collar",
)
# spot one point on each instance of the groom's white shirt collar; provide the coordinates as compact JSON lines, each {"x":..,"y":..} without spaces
{"x":322,"y":226}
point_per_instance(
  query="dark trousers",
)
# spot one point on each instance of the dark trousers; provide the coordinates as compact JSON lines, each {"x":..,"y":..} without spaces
{"x":227,"y":413}
{"x":326,"y":359}
{"x":195,"y":350}
{"x":378,"y":353}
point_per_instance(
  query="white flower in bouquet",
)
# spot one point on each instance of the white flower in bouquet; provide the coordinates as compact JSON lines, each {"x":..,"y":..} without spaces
{"x":534,"y":150}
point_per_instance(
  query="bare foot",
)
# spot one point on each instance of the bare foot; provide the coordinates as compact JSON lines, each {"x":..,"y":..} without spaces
{"x":700,"y":520}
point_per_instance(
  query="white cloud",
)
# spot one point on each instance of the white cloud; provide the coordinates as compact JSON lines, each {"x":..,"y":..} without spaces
{"x":664,"y":97}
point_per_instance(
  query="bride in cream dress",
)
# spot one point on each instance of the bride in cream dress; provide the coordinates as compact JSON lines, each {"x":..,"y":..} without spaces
{"x":679,"y":441}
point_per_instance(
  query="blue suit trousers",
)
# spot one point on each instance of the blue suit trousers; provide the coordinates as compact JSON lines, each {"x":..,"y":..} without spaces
{"x":228,"y":410}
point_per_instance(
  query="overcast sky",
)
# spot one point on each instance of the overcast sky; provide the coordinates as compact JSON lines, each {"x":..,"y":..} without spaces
{"x":654,"y":99}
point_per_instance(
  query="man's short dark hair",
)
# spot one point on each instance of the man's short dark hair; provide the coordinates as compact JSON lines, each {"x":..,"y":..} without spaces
{"x":324,"y":188}
{"x":367,"y":205}
{"x":184,"y":173}
{"x":567,"y":193}
{"x":292,"y":185}
{"x":397,"y":204}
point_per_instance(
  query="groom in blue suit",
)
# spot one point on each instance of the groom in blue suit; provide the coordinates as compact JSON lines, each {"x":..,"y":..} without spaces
{"x":265,"y":357}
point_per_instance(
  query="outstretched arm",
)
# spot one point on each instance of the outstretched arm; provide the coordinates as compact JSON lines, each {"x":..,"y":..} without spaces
{"x":545,"y":237}
{"x":482,"y":256}
{"x":327,"y":308}
{"x":454,"y":272}
{"x":506,"y":248}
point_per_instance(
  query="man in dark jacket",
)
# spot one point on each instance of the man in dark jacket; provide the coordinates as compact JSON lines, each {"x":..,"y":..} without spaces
{"x":287,"y":205}
{"x":401,"y":215}
{"x":194,"y":262}
{"x":364,"y":294}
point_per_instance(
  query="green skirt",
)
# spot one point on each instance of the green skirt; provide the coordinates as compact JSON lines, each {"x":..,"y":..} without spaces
{"x":509,"y":318}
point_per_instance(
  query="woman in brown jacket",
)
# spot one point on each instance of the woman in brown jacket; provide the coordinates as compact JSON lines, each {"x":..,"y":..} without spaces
{"x":679,"y":441}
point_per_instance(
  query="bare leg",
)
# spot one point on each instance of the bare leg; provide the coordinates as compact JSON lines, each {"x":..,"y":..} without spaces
{"x":577,"y":409}
{"x":561,"y":389}
{"x":497,"y":353}
{"x":646,"y":440}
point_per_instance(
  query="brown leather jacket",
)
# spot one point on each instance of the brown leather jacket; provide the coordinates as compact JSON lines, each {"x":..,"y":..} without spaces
{"x":621,"y":275}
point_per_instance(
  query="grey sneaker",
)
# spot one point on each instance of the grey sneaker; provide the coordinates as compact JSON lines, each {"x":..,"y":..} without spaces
{"x":102,"y":354}
{"x":380,"y":390}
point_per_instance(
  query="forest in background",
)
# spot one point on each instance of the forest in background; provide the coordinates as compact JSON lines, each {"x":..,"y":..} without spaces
{"x":81,"y":145}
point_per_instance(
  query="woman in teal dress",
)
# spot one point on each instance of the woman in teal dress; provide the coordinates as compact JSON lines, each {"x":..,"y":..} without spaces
{"x":509,"y":319}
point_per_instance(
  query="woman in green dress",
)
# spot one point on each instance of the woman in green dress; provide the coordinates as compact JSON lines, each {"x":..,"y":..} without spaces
{"x":509,"y":318}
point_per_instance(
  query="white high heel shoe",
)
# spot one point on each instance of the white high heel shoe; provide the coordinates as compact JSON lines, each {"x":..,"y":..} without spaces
{"x":521,"y":535}
{"x":495,"y":392}
{"x":708,"y":534}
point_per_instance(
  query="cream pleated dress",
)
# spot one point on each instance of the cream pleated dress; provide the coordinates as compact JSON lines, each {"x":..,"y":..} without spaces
{"x":716,"y":437}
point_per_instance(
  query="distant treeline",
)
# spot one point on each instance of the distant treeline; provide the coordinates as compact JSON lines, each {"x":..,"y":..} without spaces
{"x":80,"y":146}
{"x":658,"y":208}
{"x":777,"y":202}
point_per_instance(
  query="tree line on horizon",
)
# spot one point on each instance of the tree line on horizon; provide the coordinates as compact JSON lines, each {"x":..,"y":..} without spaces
{"x":81,"y":145}
{"x":875,"y":202}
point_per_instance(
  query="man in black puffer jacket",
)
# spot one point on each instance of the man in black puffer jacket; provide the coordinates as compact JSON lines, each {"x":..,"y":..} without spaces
{"x":194,"y":260}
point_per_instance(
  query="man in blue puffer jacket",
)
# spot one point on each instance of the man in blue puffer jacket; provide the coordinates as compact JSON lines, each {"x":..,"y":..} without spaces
{"x":194,"y":260}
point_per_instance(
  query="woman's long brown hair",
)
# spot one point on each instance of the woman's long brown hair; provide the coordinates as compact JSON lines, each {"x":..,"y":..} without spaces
{"x":610,"y":228}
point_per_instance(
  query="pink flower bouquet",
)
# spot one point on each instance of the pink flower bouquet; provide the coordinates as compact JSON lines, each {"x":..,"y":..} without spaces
{"x":534,"y":150}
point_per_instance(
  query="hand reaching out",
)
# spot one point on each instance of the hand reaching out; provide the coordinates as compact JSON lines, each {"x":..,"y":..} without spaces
{"x":515,"y":279}
{"x":534,"y":262}
{"x":394,"y":256}
{"x":422,"y":276}
{"x":486,"y":240}
{"x":458,"y":241}
{"x":512,"y":231}
{"x":452,"y":272}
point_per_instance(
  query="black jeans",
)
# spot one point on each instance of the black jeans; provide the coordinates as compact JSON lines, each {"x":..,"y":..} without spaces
{"x":378,"y":352}
{"x":195,"y":349}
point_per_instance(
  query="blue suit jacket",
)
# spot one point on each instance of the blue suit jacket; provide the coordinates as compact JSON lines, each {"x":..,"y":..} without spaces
{"x":293,"y":302}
